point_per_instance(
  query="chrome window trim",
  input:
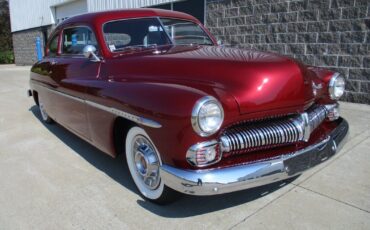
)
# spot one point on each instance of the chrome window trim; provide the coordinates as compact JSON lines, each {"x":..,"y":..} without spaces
{"x":196,"y":23}
{"x":126,"y":19}
{"x":117,"y":112}
{"x":160,"y":22}
{"x":164,"y":29}
{"x":48,"y":43}
{"x":65,"y":55}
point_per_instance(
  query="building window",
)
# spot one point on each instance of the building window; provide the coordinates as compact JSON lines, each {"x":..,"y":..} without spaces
{"x":59,"y":20}
{"x":167,"y":6}
{"x":192,"y":7}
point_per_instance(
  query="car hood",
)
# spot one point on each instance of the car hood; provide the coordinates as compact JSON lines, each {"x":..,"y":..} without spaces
{"x":258,"y":80}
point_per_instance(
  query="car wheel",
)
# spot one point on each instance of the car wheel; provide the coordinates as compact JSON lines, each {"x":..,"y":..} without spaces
{"x":44,"y":115}
{"x":143,"y":162}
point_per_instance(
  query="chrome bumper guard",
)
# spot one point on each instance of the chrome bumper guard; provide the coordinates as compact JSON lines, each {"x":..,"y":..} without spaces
{"x":225,"y":180}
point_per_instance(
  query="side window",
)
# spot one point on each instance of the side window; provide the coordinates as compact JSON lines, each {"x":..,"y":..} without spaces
{"x":75,"y":39}
{"x":53,"y":46}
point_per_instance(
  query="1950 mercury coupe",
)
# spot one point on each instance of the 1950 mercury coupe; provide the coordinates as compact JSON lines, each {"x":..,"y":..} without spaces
{"x":190,"y":116}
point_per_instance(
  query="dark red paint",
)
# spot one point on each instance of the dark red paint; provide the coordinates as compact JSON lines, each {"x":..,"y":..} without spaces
{"x":163,"y":84}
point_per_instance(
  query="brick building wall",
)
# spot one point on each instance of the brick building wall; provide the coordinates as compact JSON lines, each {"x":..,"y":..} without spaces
{"x":24,"y":45}
{"x":333,"y":34}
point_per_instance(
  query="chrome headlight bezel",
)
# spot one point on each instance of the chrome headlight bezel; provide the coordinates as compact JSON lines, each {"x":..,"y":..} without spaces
{"x":195,"y":116}
{"x":332,"y":86}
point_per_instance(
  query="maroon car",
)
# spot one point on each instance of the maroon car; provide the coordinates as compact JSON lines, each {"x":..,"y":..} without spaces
{"x":189,"y":115}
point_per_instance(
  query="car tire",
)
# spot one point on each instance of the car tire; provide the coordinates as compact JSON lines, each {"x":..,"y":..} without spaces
{"x":44,"y":115}
{"x":143,"y":160}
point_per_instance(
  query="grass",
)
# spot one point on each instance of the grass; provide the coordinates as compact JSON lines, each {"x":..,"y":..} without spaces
{"x":6,"y":57}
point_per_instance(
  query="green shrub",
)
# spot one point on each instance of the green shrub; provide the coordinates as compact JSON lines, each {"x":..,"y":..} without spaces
{"x":6,"y":57}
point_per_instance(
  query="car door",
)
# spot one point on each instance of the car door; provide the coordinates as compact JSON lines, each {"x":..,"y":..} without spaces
{"x":42,"y":76}
{"x":72,"y":72}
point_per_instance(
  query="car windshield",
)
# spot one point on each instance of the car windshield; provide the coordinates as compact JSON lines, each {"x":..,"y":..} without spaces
{"x":185,"y":32}
{"x":134,"y":34}
{"x":137,"y":34}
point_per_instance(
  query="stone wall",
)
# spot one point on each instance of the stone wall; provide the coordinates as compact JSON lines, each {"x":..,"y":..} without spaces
{"x":327,"y":33}
{"x":24,"y":43}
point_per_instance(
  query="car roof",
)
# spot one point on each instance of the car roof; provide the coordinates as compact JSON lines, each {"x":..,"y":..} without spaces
{"x":104,"y":16}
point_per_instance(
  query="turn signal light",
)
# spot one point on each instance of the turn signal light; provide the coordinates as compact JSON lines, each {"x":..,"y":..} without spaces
{"x":204,"y":154}
{"x":332,"y":112}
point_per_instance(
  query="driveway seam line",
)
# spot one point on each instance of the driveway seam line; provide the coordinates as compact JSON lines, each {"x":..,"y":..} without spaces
{"x":337,"y":200}
{"x":331,"y":162}
{"x":298,"y":185}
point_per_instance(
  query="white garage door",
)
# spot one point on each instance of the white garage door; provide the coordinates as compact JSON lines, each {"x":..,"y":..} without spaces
{"x":62,"y":12}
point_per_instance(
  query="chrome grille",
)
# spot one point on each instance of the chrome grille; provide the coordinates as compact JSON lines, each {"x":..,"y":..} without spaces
{"x":274,"y":132}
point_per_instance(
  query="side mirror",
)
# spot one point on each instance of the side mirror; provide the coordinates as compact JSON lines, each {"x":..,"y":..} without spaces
{"x":89,"y":53}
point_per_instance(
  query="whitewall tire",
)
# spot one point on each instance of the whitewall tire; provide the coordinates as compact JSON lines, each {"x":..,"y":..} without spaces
{"x":44,"y":115}
{"x":143,"y":160}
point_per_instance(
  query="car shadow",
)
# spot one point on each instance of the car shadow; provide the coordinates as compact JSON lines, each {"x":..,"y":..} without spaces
{"x":185,"y":206}
{"x":188,"y":206}
{"x":114,"y":168}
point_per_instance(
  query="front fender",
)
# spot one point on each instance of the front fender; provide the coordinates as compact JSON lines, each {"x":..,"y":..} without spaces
{"x":168,"y":104}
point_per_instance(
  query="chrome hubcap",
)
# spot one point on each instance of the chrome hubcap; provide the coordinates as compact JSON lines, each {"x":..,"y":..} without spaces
{"x":146,"y":162}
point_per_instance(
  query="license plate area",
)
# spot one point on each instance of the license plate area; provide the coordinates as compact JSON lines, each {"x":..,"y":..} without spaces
{"x":309,"y":159}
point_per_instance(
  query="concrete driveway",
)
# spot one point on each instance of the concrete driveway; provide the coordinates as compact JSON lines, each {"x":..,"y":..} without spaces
{"x":50,"y":179}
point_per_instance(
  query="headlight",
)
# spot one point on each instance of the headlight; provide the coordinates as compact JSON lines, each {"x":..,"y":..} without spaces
{"x":207,"y":116}
{"x":336,"y":86}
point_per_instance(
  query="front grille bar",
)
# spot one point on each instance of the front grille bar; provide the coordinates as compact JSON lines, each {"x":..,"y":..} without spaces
{"x":270,"y":133}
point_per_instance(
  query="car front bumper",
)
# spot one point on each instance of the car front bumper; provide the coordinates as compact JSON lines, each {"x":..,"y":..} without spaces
{"x":225,"y":180}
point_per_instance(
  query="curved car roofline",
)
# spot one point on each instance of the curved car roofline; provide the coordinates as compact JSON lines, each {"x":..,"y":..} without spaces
{"x":110,"y":15}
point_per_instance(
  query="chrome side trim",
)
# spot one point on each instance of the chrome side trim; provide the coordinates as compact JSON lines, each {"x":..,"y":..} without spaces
{"x":120,"y":113}
{"x":64,"y":94}
{"x":240,"y":177}
{"x":69,"y":96}
{"x":128,"y":116}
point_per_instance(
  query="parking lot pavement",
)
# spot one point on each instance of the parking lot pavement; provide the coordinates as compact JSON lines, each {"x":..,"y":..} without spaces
{"x":50,"y":179}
